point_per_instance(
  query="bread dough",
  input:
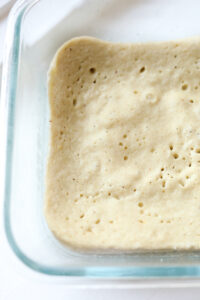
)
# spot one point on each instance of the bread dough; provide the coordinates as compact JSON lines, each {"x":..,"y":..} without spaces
{"x":124,"y":165}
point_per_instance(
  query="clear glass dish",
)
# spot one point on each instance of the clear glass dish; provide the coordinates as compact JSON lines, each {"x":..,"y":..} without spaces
{"x":36,"y":30}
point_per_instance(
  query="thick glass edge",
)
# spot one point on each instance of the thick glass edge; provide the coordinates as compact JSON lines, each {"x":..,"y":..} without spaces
{"x":9,"y":83}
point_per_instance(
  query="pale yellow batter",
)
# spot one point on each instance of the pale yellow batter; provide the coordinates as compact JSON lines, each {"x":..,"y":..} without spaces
{"x":124,"y":165}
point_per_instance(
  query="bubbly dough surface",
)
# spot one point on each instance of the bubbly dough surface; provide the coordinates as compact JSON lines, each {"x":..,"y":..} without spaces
{"x":124,"y":165}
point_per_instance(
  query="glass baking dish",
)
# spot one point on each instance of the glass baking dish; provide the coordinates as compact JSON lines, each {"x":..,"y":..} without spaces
{"x":36,"y":29}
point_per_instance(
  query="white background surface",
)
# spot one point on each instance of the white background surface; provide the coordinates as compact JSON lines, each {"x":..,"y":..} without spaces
{"x":18,"y":282}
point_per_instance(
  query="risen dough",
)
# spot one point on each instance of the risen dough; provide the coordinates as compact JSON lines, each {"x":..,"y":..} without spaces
{"x":124,"y":165}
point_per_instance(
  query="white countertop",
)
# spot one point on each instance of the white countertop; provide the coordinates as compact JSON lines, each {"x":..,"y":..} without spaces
{"x":18,"y":283}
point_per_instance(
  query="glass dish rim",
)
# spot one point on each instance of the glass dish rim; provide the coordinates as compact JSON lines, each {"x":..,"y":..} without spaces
{"x":9,"y":83}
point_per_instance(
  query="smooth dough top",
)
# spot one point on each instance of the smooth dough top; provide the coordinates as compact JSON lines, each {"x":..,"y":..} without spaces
{"x":124,"y":165}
